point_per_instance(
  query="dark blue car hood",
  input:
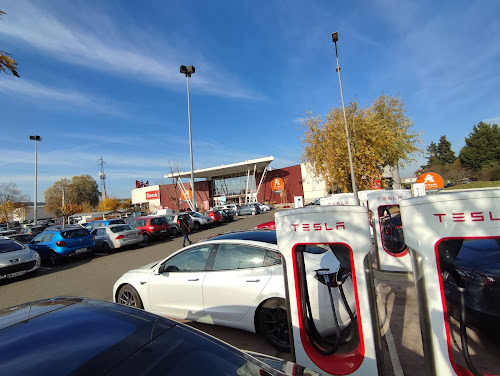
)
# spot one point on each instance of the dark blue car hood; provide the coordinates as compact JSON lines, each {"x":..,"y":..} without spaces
{"x":72,"y":336}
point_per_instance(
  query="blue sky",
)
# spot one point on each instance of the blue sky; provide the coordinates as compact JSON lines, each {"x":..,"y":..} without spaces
{"x":101,"y":78}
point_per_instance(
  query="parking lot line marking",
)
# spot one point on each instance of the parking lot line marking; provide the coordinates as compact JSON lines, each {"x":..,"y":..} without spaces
{"x":391,"y":345}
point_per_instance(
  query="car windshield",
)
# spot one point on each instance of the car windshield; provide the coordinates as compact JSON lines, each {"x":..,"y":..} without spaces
{"x":7,"y":245}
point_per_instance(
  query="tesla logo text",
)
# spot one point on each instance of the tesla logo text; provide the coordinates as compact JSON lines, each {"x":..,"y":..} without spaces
{"x":152,"y":195}
{"x":463,"y":217}
{"x":390,"y":198}
{"x":317,"y":226}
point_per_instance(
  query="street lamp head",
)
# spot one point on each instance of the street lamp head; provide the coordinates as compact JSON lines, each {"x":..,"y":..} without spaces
{"x":335,"y":37}
{"x":188,"y":71}
{"x":36,"y":138}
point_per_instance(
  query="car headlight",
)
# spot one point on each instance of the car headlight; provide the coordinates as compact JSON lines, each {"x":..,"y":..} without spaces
{"x":35,"y":256}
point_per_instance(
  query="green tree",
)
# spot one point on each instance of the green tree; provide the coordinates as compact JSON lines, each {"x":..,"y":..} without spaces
{"x":444,"y":153}
{"x":380,"y":135}
{"x":432,"y":151}
{"x":7,"y":64}
{"x":83,"y":189}
{"x":482,"y":147}
{"x":54,"y":197}
{"x":81,"y":192}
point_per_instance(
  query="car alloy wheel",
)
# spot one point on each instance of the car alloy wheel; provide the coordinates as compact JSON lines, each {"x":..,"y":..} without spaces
{"x":106,"y":247}
{"x":54,"y":258}
{"x":146,"y":238}
{"x":196,"y":226}
{"x":128,"y":296}
{"x":273,"y":324}
{"x":174,"y":231}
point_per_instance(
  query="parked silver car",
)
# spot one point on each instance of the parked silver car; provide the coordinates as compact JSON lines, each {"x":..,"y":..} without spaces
{"x":200,"y":220}
{"x":16,"y":259}
{"x":116,"y":236}
{"x":174,"y":222}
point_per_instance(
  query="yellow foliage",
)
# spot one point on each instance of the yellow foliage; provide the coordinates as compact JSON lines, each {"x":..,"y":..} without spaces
{"x":7,"y":211}
{"x":380,"y":135}
{"x":109,"y":203}
{"x":126,"y":204}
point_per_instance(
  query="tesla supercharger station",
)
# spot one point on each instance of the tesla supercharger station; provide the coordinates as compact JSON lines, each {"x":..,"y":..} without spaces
{"x":342,"y":233}
{"x":339,"y":199}
{"x":392,"y":253}
{"x":363,"y":195}
{"x":454,"y":241}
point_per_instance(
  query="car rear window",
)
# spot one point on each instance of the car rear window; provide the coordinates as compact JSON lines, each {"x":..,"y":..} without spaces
{"x":71,"y":234}
{"x":116,"y":222}
{"x":8,"y":245}
{"x":156,"y":221}
{"x":121,"y":228}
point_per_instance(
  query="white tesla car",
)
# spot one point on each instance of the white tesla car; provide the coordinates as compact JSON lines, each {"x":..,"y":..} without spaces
{"x":234,"y":280}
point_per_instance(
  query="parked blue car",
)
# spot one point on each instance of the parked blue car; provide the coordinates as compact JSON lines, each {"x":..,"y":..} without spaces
{"x":56,"y":244}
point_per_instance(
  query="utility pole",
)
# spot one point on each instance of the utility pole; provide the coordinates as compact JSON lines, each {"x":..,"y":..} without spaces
{"x":102,"y":176}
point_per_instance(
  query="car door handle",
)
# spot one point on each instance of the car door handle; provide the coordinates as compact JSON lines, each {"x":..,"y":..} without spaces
{"x":194,"y":280}
{"x":253,"y":280}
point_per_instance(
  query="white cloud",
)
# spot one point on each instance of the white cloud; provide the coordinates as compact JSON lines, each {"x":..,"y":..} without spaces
{"x":102,"y":46}
{"x":43,"y":94}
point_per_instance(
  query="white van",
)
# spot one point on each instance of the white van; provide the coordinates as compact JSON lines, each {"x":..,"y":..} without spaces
{"x":165,"y":211}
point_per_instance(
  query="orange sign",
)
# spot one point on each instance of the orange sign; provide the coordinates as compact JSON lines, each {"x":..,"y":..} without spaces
{"x":431,"y":180}
{"x":277,"y":184}
{"x":186,"y":195}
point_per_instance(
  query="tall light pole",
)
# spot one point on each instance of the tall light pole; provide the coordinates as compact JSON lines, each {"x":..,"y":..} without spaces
{"x":188,"y":71}
{"x":36,"y":139}
{"x":335,"y":38}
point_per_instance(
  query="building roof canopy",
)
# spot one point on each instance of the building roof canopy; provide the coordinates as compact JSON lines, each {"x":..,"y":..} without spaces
{"x":235,"y":168}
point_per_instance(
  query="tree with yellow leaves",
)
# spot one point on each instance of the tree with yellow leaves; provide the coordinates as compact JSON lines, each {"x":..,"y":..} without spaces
{"x":380,"y":135}
{"x":7,"y":64}
{"x":109,"y":203}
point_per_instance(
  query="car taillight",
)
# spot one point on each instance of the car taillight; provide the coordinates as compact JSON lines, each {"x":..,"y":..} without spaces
{"x":61,"y":243}
{"x":151,"y":227}
{"x":119,"y":237}
{"x":139,"y":233}
{"x":93,"y":237}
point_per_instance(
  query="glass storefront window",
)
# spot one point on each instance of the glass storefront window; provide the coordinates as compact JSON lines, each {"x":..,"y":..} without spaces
{"x":232,"y":185}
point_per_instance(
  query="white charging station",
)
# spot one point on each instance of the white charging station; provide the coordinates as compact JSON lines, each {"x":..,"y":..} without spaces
{"x":339,"y":199}
{"x":363,"y":195}
{"x":392,"y":253}
{"x":454,"y":241}
{"x":344,"y":231}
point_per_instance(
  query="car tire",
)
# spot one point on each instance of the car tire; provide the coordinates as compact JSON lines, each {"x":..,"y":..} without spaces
{"x":106,"y":248}
{"x":174,"y":231}
{"x":146,"y":238}
{"x":54,"y":258}
{"x":197,"y":226}
{"x":129,"y":296}
{"x":272,"y":321}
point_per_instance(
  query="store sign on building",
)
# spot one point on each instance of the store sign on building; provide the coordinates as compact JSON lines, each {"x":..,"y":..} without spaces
{"x":187,"y":195}
{"x":277,"y":184}
{"x":152,"y":195}
{"x":431,"y":180}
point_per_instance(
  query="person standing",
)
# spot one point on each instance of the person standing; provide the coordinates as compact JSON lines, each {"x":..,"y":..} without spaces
{"x":185,"y":230}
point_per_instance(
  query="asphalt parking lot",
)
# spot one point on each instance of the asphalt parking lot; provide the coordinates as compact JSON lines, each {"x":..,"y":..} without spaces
{"x":94,"y":278}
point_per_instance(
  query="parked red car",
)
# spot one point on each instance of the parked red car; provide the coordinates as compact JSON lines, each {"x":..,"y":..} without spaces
{"x":151,"y":227}
{"x":215,"y":215}
{"x":270,"y":225}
